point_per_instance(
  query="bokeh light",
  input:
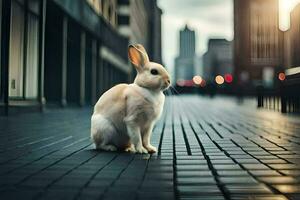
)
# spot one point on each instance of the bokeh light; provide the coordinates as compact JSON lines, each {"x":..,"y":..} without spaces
{"x":285,"y":8}
{"x":180,"y":82}
{"x":219,"y":80}
{"x":197,"y":80}
{"x":203,"y":83}
{"x":188,"y":83}
{"x":228,"y":78}
{"x":281,"y":76}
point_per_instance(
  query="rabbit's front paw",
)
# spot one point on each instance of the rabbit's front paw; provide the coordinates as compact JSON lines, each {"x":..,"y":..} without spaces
{"x":141,"y":149}
{"x":151,"y":149}
{"x":130,"y":149}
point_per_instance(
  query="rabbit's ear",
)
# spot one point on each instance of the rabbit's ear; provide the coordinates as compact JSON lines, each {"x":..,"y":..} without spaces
{"x":138,"y":56}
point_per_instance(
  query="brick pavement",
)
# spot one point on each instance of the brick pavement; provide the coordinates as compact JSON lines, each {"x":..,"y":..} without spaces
{"x":208,"y":149}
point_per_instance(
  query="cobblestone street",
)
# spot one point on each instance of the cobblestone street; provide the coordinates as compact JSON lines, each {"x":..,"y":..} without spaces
{"x":207,"y":149}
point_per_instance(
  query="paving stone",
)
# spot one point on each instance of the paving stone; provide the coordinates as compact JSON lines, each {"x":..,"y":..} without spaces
{"x":210,"y":197}
{"x":268,"y":172}
{"x":258,"y":197}
{"x":293,"y":196}
{"x":255,"y":166}
{"x":288,"y":188}
{"x":200,"y":173}
{"x":220,"y":152}
{"x":191,"y":167}
{"x":196,"y":181}
{"x":227,"y":167}
{"x":248,"y":189}
{"x":290,"y":172}
{"x":284,"y":166}
{"x":238,"y":180}
{"x":279,"y":180}
{"x":160,"y":195}
{"x":198,"y":190}
{"x":232,"y":173}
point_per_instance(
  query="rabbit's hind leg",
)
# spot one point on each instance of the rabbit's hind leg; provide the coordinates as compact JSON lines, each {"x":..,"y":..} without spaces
{"x":106,"y":147}
{"x":102,"y":132}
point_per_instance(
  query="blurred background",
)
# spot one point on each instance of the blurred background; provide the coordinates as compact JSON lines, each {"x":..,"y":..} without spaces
{"x":66,"y":52}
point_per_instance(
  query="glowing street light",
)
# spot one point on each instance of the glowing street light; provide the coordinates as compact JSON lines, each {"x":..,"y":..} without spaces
{"x":281,"y":76}
{"x":203,"y":83}
{"x":219,"y":80}
{"x":228,"y":78}
{"x":180,"y":82}
{"x":285,"y":8}
{"x":197,"y":80}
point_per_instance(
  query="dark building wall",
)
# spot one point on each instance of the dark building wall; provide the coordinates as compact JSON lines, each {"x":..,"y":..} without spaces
{"x":62,"y":53}
{"x":154,"y":28}
{"x":88,"y":70}
{"x":53,"y":52}
{"x":218,"y":60}
{"x":257,"y":38}
{"x":187,"y":43}
{"x":185,"y":62}
{"x":85,"y":75}
{"x":83,"y":54}
{"x":73,"y":63}
{"x":140,"y":21}
{"x":295,"y":37}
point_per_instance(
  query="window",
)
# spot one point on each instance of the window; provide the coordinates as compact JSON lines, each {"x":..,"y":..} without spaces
{"x":31,"y":84}
{"x":0,"y":45}
{"x":23,"y":71}
{"x":263,"y":32}
{"x":16,"y":51}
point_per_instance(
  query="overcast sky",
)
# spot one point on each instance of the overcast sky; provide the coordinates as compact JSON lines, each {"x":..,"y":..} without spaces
{"x":209,"y":18}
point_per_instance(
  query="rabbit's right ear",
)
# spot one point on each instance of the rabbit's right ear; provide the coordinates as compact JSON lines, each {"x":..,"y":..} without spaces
{"x":138,"y":56}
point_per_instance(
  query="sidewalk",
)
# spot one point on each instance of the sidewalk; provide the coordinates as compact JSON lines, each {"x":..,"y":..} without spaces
{"x":208,"y":149}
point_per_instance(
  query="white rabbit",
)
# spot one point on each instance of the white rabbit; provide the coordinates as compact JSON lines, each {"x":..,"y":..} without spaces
{"x":124,"y":116}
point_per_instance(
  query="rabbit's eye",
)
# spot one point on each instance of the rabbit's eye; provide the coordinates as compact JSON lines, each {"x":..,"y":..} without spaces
{"x":154,"y":71}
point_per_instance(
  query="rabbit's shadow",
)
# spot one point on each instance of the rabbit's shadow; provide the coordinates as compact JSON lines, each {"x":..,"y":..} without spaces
{"x":121,"y":153}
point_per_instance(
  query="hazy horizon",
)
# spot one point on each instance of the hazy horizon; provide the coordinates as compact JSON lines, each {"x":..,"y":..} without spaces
{"x":209,"y":18}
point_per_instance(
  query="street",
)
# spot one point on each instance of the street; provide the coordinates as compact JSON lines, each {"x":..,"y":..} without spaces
{"x":207,"y":149}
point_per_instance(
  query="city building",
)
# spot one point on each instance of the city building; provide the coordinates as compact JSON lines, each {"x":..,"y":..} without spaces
{"x":218,"y":59}
{"x":185,"y":61}
{"x":154,"y":31}
{"x":140,"y":21}
{"x":133,"y":21}
{"x":107,"y":9}
{"x":257,"y":41}
{"x":292,"y":40}
{"x":63,"y":53}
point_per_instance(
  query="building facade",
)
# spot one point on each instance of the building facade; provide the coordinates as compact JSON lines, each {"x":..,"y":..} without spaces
{"x":257,"y":40}
{"x":106,"y":8}
{"x":140,"y":21}
{"x":57,"y":52}
{"x":185,"y":62}
{"x":292,"y":40}
{"x":218,"y":60}
{"x":154,"y":31}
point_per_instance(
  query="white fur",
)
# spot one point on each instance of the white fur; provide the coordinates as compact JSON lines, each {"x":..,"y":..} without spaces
{"x":124,"y":116}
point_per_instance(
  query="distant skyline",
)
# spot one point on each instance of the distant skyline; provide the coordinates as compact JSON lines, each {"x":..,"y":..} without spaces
{"x":209,"y":18}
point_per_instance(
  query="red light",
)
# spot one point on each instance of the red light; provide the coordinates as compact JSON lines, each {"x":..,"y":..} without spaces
{"x":180,"y":82}
{"x":228,"y":78}
{"x":185,"y":83}
{"x":188,"y":83}
{"x":203,"y":83}
{"x":281,"y":76}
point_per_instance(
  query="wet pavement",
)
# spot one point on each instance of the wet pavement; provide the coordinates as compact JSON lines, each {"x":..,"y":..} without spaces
{"x":207,"y":149}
